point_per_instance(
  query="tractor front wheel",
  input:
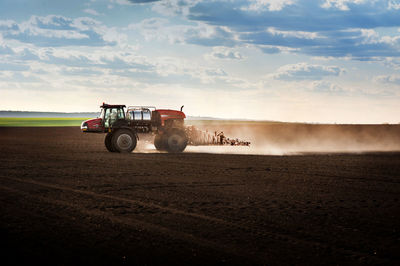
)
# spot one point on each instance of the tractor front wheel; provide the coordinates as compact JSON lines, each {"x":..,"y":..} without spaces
{"x":124,"y":141}
{"x":108,"y":143}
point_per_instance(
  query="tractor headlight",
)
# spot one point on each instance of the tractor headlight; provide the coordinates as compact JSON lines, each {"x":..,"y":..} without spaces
{"x":84,"y":126}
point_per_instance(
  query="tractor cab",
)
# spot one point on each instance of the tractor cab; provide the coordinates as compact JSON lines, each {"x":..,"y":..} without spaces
{"x":109,"y":115}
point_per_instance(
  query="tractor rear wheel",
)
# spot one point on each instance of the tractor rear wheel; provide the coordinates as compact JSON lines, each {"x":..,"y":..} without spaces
{"x":176,"y":140}
{"x":124,"y":141}
{"x":108,"y":143}
{"x":159,"y":142}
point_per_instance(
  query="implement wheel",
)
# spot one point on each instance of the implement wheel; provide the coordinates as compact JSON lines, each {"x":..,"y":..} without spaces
{"x":124,"y":141}
{"x":176,"y":140}
{"x":107,"y":142}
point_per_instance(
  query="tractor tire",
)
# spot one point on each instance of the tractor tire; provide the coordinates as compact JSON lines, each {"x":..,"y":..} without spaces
{"x":176,"y":141}
{"x":123,"y":141}
{"x":159,"y":142}
{"x":108,"y":143}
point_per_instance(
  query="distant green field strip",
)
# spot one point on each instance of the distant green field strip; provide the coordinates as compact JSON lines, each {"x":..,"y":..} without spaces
{"x":39,"y":122}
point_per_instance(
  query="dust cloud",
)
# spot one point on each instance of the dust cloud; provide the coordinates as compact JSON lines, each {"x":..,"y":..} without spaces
{"x":292,"y":138}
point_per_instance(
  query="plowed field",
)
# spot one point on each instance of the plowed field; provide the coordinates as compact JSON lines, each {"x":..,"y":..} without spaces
{"x":66,"y":200}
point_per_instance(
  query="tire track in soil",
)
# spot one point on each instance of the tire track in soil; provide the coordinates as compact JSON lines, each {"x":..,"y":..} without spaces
{"x":283,"y":238}
{"x":347,"y":177}
{"x":139,"y":225}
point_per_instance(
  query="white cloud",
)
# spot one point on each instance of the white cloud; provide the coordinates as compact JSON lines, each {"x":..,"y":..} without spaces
{"x":91,"y":12}
{"x":8,"y":25}
{"x":102,"y":64}
{"x":5,"y":49}
{"x":271,"y":5}
{"x":393,"y":4}
{"x":305,"y":71}
{"x":120,"y":2}
{"x":388,"y":79}
{"x":174,"y":7}
{"x":216,"y":72}
{"x":131,"y":2}
{"x":340,"y":4}
{"x":199,"y":34}
{"x":276,"y":49}
{"x":326,"y":86}
{"x":317,"y":28}
{"x":297,"y":34}
{"x":158,"y":29}
{"x":390,"y":62}
{"x":225,"y":53}
{"x":54,"y":30}
{"x":370,"y":36}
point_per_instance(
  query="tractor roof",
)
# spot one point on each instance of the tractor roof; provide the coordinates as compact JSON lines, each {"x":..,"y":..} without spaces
{"x":112,"y":105}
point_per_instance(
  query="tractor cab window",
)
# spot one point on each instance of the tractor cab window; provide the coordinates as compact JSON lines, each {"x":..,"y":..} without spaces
{"x":101,"y":115}
{"x":106,"y":113}
{"x":121,"y":114}
{"x":111,"y":115}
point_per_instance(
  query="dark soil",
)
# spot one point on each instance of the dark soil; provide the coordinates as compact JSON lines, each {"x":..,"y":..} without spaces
{"x":66,"y":200}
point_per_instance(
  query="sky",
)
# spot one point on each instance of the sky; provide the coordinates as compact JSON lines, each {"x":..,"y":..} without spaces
{"x":324,"y":61}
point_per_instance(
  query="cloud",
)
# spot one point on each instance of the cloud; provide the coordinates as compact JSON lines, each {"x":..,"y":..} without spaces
{"x":21,"y":77}
{"x":159,"y":29}
{"x":79,"y":71}
{"x":8,"y":25}
{"x":271,"y":5}
{"x":326,"y":86}
{"x":358,"y":44}
{"x":58,"y":57}
{"x":282,"y":38}
{"x":210,"y":36}
{"x":388,"y":79}
{"x":199,"y":34}
{"x":131,"y":2}
{"x":91,"y":12}
{"x":342,"y":5}
{"x":174,"y":7}
{"x":27,"y":55}
{"x":390,"y":62}
{"x":56,"y":31}
{"x":333,"y":28}
{"x":225,"y":53}
{"x":109,"y":63}
{"x":394,"y":4}
{"x":304,"y":71}
{"x":13,"y":67}
{"x":118,"y":62}
{"x":142,"y":1}
{"x":270,"y":49}
{"x":111,"y":60}
{"x":5,"y":50}
{"x":304,"y":15}
{"x":216,"y":72}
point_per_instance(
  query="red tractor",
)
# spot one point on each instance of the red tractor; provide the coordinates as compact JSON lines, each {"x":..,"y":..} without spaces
{"x":122,"y":127}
